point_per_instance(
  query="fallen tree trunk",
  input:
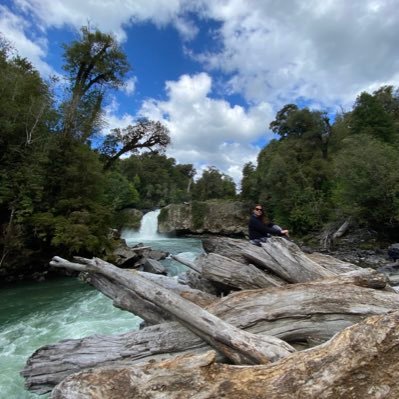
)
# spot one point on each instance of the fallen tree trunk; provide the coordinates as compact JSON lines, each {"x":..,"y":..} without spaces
{"x":286,"y":260}
{"x":360,"y":362}
{"x":126,"y":299}
{"x":303,"y":312}
{"x":49,"y":365}
{"x":332,"y":264}
{"x":192,"y":265}
{"x":281,"y":258}
{"x":239,"y":346}
{"x":227,"y":271}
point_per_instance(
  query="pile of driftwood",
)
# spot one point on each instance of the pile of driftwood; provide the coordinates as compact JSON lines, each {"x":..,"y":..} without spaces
{"x":290,"y":325}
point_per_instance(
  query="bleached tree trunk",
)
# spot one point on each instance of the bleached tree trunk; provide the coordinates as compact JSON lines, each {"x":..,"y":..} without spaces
{"x":311,"y":312}
{"x":358,"y":363}
{"x":237,"y":345}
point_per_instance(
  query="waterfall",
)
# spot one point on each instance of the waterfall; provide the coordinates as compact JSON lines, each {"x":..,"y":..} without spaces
{"x":148,"y":229}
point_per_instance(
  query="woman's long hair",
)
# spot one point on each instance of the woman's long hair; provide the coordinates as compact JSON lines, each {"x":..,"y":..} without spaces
{"x":263,"y":217}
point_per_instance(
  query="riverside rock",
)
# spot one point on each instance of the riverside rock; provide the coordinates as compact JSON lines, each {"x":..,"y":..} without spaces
{"x":214,"y":217}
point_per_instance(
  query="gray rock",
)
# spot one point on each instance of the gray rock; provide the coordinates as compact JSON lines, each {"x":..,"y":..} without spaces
{"x":215,"y":217}
{"x":153,"y":266}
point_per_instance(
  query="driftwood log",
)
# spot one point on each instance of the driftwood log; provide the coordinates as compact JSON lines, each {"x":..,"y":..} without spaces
{"x":237,"y":345}
{"x":359,"y":363}
{"x":303,"y":299}
{"x":315,"y":317}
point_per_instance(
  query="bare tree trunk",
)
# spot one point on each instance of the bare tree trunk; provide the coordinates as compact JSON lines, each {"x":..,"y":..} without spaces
{"x":237,"y":345}
{"x":311,"y":312}
{"x":359,"y":363}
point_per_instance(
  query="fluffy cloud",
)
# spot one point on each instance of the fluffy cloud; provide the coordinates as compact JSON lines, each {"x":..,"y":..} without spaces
{"x":293,"y":50}
{"x":204,"y":128}
{"x":110,"y":16}
{"x":13,"y":28}
{"x":130,"y":86}
{"x":319,"y":53}
{"x":279,"y":52}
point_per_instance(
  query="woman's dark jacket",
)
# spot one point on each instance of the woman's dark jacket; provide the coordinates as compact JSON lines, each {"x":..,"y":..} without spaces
{"x":258,"y":229}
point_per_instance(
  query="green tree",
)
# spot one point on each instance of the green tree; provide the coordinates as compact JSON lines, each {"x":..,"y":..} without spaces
{"x":370,"y":117}
{"x":214,"y":185}
{"x":158,"y":179}
{"x":25,"y":118}
{"x":367,"y":181}
{"x":313,"y":127}
{"x":73,"y":217}
{"x":145,"y":134}
{"x":94,"y":64}
{"x":249,"y":186}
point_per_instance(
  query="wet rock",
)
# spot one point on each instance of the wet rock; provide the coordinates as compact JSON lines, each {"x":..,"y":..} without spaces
{"x":153,"y":266}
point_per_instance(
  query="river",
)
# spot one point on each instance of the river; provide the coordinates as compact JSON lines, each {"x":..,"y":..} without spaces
{"x":35,"y":314}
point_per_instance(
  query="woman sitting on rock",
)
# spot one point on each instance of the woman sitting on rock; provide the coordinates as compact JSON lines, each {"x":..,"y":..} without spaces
{"x":260,"y":229}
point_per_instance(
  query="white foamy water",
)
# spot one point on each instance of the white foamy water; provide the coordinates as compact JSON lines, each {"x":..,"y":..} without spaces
{"x":148,"y":229}
{"x":37,"y":314}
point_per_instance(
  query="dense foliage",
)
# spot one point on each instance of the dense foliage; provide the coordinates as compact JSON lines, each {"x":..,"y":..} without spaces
{"x":58,"y":194}
{"x":318,"y":172}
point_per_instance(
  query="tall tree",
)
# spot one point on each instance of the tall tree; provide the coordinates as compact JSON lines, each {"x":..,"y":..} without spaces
{"x":145,"y":134}
{"x":249,"y":186}
{"x":94,"y":63}
{"x":370,"y":117}
{"x":311,"y":126}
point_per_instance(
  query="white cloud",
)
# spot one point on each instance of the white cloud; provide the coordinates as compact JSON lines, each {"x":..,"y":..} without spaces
{"x":130,"y":86}
{"x":321,"y":53}
{"x":278,"y":52}
{"x":109,"y":16}
{"x":204,"y":128}
{"x":13,"y":28}
{"x":284,"y":51}
{"x":112,"y":118}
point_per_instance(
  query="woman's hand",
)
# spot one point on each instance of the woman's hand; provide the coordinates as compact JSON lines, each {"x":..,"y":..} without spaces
{"x":285,"y":233}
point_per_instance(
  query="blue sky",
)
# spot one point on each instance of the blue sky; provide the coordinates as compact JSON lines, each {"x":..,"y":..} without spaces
{"x":217,"y":71}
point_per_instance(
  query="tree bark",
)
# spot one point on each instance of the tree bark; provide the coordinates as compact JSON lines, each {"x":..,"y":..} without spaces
{"x":239,"y":346}
{"x":227,"y":271}
{"x":311,"y":312}
{"x":358,"y":363}
{"x":281,"y":258}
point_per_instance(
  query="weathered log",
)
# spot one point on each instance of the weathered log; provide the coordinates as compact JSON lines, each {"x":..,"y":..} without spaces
{"x":185,"y":291}
{"x":332,"y":264}
{"x":239,"y":346}
{"x":312,"y":311}
{"x":50,"y":364}
{"x":287,"y":260}
{"x":283,"y":259}
{"x":197,"y":281}
{"x":126,"y":299}
{"x":186,"y":262}
{"x":234,"y":274}
{"x":358,"y":363}
{"x":229,"y":247}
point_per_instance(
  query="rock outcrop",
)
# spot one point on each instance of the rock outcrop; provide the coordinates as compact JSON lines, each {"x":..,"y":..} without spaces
{"x":214,"y":217}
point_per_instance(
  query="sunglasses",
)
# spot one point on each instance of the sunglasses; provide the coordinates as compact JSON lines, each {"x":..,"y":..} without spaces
{"x":258,"y":209}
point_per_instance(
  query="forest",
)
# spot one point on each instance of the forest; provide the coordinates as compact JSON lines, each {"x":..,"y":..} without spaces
{"x":63,"y":183}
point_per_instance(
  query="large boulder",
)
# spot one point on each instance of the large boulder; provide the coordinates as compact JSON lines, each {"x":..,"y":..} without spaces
{"x":214,"y":217}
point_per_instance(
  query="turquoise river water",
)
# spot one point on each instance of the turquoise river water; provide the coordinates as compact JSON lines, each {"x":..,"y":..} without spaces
{"x":37,"y":314}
